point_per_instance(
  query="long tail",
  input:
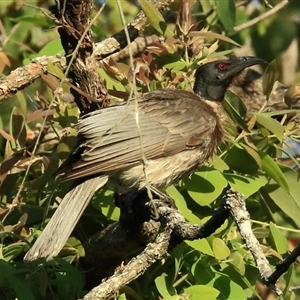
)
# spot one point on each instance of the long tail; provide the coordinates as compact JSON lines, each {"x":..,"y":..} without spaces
{"x":62,"y":223}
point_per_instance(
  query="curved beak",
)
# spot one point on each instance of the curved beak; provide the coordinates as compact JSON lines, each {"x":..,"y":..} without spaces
{"x":241,"y":63}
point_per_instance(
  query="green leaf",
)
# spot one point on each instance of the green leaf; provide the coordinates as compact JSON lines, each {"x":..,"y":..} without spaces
{"x":201,"y":245}
{"x":209,"y":10}
{"x":226,"y":12}
{"x":220,"y":249}
{"x":288,"y":202}
{"x":252,"y":152}
{"x":66,"y":145}
{"x":235,"y":155}
{"x":213,"y":35}
{"x":74,"y":247}
{"x":19,"y":285}
{"x":181,"y":205}
{"x":238,"y":262}
{"x":41,"y":21}
{"x":164,"y":287}
{"x":225,"y":283}
{"x":104,"y":202}
{"x":219,"y":163}
{"x":236,"y":109}
{"x":278,"y":241}
{"x":13,"y":250}
{"x":271,"y":124}
{"x":273,"y":170}
{"x":155,"y":18}
{"x":246,"y":185}
{"x":206,"y":185}
{"x":269,"y":78}
{"x":202,"y":292}
{"x":171,"y":61}
{"x":288,"y":279}
{"x":17,"y":123}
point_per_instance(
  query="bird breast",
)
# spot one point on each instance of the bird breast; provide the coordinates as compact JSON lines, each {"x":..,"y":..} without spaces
{"x":161,"y":172}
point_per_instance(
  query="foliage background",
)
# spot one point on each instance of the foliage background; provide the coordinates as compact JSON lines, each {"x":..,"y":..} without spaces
{"x":218,"y":267}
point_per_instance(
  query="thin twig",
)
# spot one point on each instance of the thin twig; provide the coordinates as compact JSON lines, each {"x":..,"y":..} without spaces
{"x":283,"y":266}
{"x":262,"y":17}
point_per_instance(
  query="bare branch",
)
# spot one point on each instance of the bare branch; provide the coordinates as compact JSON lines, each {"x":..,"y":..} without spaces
{"x":262,"y":17}
{"x":24,"y":76}
{"x":283,"y":266}
{"x":136,"y":267}
{"x":236,"y":204}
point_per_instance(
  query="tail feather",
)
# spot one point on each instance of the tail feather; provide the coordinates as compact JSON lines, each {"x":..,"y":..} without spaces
{"x":62,"y":223}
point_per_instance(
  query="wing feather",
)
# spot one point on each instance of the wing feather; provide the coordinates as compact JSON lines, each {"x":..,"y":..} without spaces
{"x":169,"y":121}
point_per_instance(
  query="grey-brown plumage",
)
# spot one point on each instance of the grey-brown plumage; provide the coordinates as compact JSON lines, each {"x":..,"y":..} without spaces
{"x":159,"y":139}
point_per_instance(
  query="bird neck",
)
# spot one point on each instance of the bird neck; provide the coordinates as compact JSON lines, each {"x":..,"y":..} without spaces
{"x":208,"y":91}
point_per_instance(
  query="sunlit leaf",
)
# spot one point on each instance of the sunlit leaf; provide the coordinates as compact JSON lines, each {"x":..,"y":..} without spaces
{"x":171,"y":61}
{"x":271,"y":124}
{"x":288,"y":281}
{"x":164,"y":287}
{"x":13,"y":250}
{"x":238,"y":262}
{"x":245,"y":185}
{"x":209,"y":34}
{"x":104,"y":202}
{"x":220,"y":249}
{"x":155,"y":18}
{"x":181,"y":205}
{"x":38,"y":20}
{"x":272,"y":169}
{"x":219,"y":163}
{"x":226,"y":13}
{"x":197,"y":292}
{"x":202,"y":246}
{"x":288,"y":202}
{"x":206,"y":185}
{"x":278,"y":240}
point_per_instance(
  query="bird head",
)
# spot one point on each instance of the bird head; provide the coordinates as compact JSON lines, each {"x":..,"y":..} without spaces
{"x":212,"y":79}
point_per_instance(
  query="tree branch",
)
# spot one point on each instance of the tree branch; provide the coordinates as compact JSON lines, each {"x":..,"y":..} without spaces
{"x":153,"y":252}
{"x":262,"y":17}
{"x":236,"y":204}
{"x":24,"y":76}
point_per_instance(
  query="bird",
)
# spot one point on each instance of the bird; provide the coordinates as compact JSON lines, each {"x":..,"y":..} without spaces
{"x":154,"y":140}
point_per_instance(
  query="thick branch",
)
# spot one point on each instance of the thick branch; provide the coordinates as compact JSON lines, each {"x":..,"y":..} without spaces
{"x":76,"y":39}
{"x":24,"y":76}
{"x":136,"y":267}
{"x":109,"y":246}
{"x":236,"y":205}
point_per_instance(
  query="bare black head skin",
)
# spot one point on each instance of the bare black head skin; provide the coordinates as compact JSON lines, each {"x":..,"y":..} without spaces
{"x":212,"y":79}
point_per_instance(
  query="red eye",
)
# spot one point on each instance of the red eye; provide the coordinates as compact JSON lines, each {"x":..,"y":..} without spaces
{"x":222,"y":66}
